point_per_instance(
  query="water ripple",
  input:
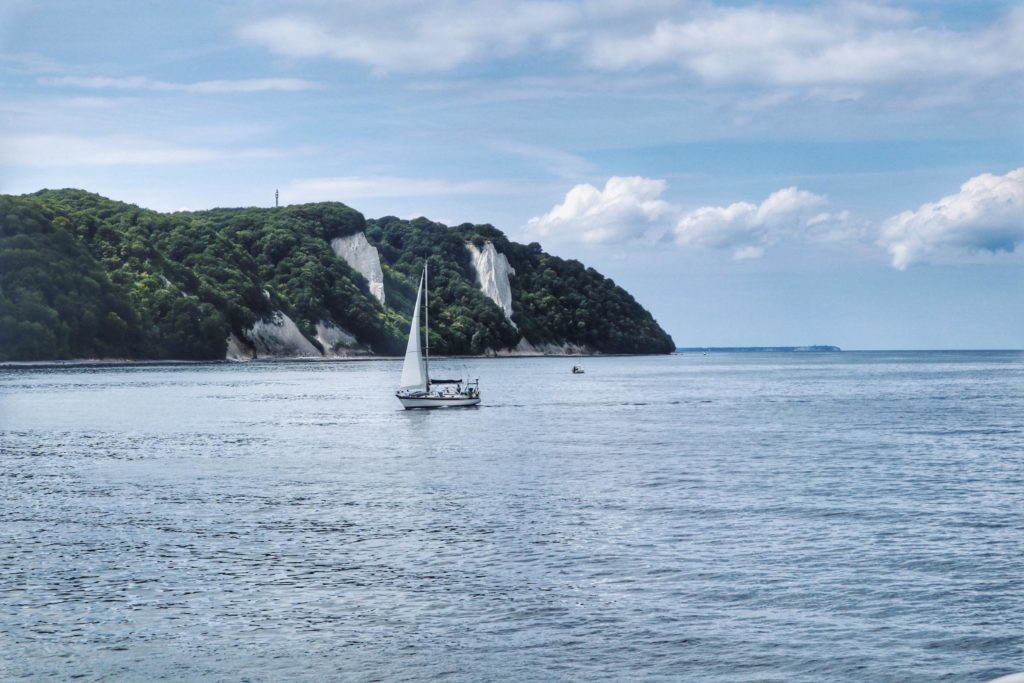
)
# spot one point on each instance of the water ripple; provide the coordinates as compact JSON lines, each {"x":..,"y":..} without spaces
{"x":762,"y":517}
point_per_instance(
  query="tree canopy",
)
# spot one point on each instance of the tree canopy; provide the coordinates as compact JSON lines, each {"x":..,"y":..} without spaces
{"x":84,"y":276}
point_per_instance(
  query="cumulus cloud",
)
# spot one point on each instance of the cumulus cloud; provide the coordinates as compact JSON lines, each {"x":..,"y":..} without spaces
{"x":986,"y":215}
{"x":631,"y":209}
{"x":202,"y":87}
{"x":836,"y":44}
{"x":747,"y":229}
{"x":626,"y":209}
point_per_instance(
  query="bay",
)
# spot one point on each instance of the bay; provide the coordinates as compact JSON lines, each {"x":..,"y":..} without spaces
{"x":767,"y":517}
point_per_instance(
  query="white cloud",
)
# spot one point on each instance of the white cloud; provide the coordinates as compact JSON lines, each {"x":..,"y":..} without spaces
{"x":631,"y":209}
{"x":626,"y":209}
{"x":833,"y":49}
{"x":369,"y":187}
{"x":202,"y":87}
{"x":113,"y":150}
{"x":410,"y":36}
{"x":986,"y":215}
{"x":748,"y":229}
{"x":837,"y":44}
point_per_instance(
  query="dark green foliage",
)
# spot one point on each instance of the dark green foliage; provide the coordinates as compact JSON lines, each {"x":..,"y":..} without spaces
{"x":56,"y":301}
{"x":192,"y":278}
{"x":462,"y":320}
{"x":289,"y":251}
{"x":561,"y":299}
{"x":335,"y":220}
{"x":553,"y":300}
{"x":176,"y":273}
{"x":83,"y":276}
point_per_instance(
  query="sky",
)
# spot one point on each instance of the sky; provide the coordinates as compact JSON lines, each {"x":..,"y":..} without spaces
{"x":774,"y":173}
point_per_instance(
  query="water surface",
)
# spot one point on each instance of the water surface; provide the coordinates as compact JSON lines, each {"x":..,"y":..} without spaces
{"x":762,"y":517}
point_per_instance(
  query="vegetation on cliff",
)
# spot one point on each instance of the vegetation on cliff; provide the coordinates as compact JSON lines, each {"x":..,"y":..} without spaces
{"x":56,"y":301}
{"x":554,"y":301}
{"x":84,"y":276}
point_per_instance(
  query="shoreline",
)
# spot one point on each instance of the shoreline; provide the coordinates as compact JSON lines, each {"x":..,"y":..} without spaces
{"x":127,"y":362}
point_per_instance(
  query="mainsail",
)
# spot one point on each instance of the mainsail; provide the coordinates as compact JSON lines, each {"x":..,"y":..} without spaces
{"x":414,"y":371}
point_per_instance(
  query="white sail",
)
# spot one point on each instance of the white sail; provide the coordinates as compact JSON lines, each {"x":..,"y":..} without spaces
{"x":414,"y":371}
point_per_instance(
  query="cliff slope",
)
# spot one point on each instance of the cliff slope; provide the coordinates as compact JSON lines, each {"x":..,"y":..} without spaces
{"x":85,"y":276}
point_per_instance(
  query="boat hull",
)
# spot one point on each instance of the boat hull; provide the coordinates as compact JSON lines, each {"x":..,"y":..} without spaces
{"x":409,"y":402}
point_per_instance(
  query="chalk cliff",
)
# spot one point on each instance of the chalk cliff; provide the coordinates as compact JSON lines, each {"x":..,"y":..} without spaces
{"x":364,"y":257}
{"x":525,"y":348}
{"x":277,"y":336}
{"x":493,"y":272}
{"x":336,"y":341}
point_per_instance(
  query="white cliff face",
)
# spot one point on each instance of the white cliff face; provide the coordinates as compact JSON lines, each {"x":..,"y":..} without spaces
{"x":364,"y":257}
{"x":279,"y":337}
{"x":239,"y":349}
{"x":493,"y":272}
{"x":337,"y":341}
{"x":525,"y":348}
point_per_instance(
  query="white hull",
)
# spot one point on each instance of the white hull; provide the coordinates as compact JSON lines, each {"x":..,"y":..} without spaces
{"x":438,"y":401}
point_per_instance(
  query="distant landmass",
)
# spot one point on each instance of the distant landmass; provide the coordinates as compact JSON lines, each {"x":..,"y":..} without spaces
{"x":758,"y":349}
{"x":86,"y":277}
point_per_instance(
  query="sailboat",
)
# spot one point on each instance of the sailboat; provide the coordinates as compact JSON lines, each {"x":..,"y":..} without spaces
{"x":578,"y":368}
{"x":418,"y":389}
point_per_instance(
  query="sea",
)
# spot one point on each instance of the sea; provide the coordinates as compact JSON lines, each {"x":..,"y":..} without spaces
{"x":789,"y":517}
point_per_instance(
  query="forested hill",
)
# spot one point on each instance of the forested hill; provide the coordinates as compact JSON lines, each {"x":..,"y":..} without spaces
{"x":82,"y":276}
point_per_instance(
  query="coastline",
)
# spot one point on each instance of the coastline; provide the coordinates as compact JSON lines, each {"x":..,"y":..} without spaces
{"x":129,"y":362}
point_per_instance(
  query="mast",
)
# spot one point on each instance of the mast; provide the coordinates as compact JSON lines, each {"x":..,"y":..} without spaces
{"x":426,"y":316}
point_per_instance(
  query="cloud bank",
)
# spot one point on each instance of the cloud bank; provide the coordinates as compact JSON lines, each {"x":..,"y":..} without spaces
{"x":986,"y":215}
{"x":747,"y":229}
{"x":415,"y":37}
{"x":835,"y":44}
{"x":631,"y":210}
{"x":626,"y":209}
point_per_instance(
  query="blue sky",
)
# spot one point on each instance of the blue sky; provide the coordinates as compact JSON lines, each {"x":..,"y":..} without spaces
{"x":846,"y":173}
